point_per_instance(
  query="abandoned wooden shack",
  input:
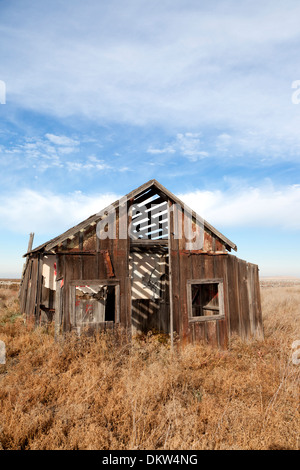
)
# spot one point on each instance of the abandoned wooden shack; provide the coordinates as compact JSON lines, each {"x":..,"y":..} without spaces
{"x":147,"y":262}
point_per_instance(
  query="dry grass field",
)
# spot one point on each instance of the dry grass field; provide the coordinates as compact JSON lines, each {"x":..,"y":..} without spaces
{"x":103,"y":393}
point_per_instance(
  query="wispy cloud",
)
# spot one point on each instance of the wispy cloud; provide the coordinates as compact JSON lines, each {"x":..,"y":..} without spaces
{"x":159,"y":151}
{"x":190,"y":146}
{"x":91,"y":163}
{"x":56,"y":152}
{"x":187,"y":144}
{"x":187,"y":68}
{"x":62,"y":140}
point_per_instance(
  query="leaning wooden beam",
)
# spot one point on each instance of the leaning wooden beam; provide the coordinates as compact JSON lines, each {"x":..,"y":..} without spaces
{"x":30,"y":243}
{"x":108,"y":263}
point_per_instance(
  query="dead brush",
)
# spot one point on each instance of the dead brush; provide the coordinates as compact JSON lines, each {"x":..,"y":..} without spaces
{"x":104,"y":392}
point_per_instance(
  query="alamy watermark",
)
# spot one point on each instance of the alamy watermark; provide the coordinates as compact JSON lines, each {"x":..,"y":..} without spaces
{"x":296,"y":353}
{"x":2,"y":352}
{"x":2,"y":92}
{"x":296,"y":94}
{"x":151,"y":221}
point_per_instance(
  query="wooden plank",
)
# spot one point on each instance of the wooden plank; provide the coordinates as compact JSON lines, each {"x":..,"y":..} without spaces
{"x":170,"y":276}
{"x":87,"y":282}
{"x":158,"y":204}
{"x":108,"y":263}
{"x":144,"y":196}
{"x":222,"y":334}
{"x":198,"y":267}
{"x":72,"y":306}
{"x":39,"y":282}
{"x":206,"y":318}
{"x":30,"y":243}
{"x":27,"y":297}
{"x":199,"y":329}
{"x":233,"y":316}
{"x":148,"y":243}
{"x":185,"y":267}
{"x":212,"y":337}
{"x":220,"y":271}
{"x":259,"y":333}
{"x":33,"y":288}
{"x":213,"y":280}
{"x":89,"y":268}
{"x":243,"y":299}
{"x":58,"y":310}
{"x":251,"y":297}
{"x":123,"y":270}
{"x":66,"y":275}
{"x":174,"y":261}
{"x":226,"y":297}
{"x":24,"y":287}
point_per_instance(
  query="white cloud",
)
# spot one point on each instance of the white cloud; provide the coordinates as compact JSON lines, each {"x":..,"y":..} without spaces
{"x":157,"y":151}
{"x":89,"y":165}
{"x":30,"y":211}
{"x":187,"y":144}
{"x":182,"y":67}
{"x":43,"y":213}
{"x":264,"y":206}
{"x":43,"y":154}
{"x":190,"y":146}
{"x":62,"y":140}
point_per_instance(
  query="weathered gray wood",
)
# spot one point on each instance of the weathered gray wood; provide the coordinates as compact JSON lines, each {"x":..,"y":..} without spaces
{"x":148,"y":243}
{"x":206,"y":318}
{"x":243,"y":299}
{"x":171,"y":230}
{"x":39,"y":281}
{"x":58,"y":310}
{"x":30,"y":243}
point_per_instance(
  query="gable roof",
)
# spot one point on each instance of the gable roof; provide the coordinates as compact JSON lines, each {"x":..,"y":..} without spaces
{"x":140,"y":191}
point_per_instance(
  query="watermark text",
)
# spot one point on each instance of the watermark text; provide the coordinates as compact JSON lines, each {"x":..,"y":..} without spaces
{"x":2,"y":92}
{"x":2,"y":353}
{"x":296,"y":353}
{"x":151,"y":221}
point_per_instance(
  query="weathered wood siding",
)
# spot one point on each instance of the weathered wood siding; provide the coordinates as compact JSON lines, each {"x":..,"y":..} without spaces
{"x":241,"y":299}
{"x":31,"y":289}
{"x":88,"y":261}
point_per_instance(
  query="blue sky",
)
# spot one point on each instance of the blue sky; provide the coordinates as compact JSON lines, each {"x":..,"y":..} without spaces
{"x":103,"y":96}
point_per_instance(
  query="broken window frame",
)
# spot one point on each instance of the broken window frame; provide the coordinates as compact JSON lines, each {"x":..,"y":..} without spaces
{"x":94,"y":282}
{"x":220,"y":315}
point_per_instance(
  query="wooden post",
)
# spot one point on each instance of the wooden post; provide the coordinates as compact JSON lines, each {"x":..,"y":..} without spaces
{"x":58,"y":310}
{"x":170,"y":226}
{"x":30,"y":243}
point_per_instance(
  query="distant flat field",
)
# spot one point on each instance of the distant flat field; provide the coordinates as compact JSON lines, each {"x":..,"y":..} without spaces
{"x":276,"y":281}
{"x":9,"y":282}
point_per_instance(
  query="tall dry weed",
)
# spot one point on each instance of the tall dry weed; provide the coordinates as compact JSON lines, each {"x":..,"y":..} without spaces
{"x":105,"y":393}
